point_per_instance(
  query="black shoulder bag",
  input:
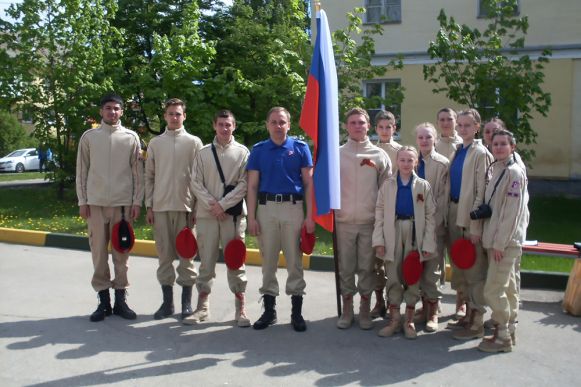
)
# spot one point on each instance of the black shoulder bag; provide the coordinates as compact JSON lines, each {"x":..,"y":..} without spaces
{"x":235,"y":210}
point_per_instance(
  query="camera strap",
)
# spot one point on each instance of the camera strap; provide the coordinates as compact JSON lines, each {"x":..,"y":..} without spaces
{"x":220,"y":170}
{"x":496,"y":185}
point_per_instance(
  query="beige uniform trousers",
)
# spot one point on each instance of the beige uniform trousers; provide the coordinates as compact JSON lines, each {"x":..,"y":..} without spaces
{"x":395,"y":288}
{"x":500,"y":289}
{"x":470,"y":283}
{"x":356,"y":257}
{"x":212,"y":234}
{"x":100,"y":225}
{"x":166,"y":226}
{"x":432,"y":273}
{"x":280,"y":229}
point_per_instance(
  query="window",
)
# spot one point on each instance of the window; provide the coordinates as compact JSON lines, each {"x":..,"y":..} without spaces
{"x":486,"y":7}
{"x":383,"y":11}
{"x":385,"y":94}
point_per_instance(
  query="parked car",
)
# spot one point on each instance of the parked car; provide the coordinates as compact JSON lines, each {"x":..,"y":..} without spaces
{"x":20,"y":160}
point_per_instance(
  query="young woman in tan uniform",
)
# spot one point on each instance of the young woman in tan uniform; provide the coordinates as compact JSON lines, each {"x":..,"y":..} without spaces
{"x":503,"y":235}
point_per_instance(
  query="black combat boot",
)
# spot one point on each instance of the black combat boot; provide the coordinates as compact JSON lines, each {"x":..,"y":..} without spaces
{"x":297,"y":320}
{"x":187,"y":301}
{"x":104,"y":307}
{"x":269,"y":315}
{"x":121,"y":308}
{"x":166,"y":309}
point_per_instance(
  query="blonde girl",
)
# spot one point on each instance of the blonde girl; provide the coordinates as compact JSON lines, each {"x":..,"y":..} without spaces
{"x":433,"y":167}
{"x":467,"y":179}
{"x":404,"y":221}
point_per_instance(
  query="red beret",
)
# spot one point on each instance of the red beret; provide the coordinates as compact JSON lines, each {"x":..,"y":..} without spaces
{"x":186,"y":244}
{"x":307,"y":241}
{"x":412,"y":268}
{"x":235,"y":254}
{"x":463,"y":253}
{"x":122,"y":236}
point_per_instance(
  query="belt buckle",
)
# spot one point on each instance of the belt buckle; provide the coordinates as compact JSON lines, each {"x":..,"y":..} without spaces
{"x":278,"y":198}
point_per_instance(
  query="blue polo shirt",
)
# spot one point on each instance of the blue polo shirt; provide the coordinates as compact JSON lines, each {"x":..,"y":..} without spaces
{"x":422,"y":167}
{"x":280,"y":165}
{"x":404,"y":202}
{"x":456,"y":172}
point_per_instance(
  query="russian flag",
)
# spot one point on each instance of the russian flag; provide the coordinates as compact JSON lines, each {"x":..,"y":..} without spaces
{"x":320,"y":121}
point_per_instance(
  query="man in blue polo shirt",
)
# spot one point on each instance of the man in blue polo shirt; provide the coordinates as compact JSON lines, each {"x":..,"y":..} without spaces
{"x":280,"y":177}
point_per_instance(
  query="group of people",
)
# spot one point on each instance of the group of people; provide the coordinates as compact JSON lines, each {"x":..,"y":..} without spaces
{"x":395,"y":200}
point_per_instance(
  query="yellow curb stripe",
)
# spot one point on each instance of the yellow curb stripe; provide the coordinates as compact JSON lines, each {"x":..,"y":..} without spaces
{"x":25,"y":237}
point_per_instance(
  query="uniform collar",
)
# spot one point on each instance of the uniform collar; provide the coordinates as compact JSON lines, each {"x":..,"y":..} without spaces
{"x":111,"y":128}
{"x":358,"y":144}
{"x":287,"y":144}
{"x":218,"y":145}
{"x":176,"y":132}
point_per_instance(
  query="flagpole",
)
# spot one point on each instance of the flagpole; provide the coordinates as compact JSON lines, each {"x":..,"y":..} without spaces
{"x":336,"y":262}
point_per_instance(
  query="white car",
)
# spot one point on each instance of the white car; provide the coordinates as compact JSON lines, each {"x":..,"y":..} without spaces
{"x":20,"y":160}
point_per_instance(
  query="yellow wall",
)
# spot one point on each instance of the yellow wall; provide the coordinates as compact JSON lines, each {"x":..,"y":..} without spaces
{"x":558,"y":148}
{"x":554,"y":142}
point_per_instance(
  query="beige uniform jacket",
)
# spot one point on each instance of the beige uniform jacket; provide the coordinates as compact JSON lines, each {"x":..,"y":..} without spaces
{"x":108,"y":169}
{"x":391,"y":149}
{"x":364,"y":167}
{"x":168,"y":171}
{"x":507,"y":225}
{"x":446,"y":146}
{"x":473,"y":185}
{"x":424,"y":211}
{"x":436,"y":173}
{"x":207,"y":185}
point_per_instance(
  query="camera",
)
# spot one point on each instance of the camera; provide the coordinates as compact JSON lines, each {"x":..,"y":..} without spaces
{"x":482,"y":212}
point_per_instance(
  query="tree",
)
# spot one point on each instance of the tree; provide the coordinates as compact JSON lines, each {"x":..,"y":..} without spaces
{"x":163,"y":57}
{"x":57,"y":50}
{"x":486,"y":71}
{"x":12,"y":134}
{"x":262,"y":50}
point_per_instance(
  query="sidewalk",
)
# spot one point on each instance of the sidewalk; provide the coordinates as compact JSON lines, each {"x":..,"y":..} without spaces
{"x":46,"y":338}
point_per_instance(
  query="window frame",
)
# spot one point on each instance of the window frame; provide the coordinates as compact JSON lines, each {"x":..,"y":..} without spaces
{"x":383,"y":11}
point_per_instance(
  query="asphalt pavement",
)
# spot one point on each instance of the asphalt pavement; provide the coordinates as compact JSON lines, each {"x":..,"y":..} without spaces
{"x":46,"y":338}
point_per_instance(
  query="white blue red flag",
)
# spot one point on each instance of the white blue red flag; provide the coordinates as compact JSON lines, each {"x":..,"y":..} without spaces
{"x":320,"y":120}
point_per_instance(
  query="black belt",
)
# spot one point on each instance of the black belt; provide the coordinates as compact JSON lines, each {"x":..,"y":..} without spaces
{"x":454,"y":200}
{"x":404,"y":217}
{"x":263,"y":197}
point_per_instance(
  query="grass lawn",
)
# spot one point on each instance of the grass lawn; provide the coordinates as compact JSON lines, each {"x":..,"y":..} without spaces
{"x":12,"y":176}
{"x":36,"y":208}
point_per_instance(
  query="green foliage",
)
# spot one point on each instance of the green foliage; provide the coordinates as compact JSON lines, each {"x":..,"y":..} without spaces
{"x":163,"y":57}
{"x":57,"y":50}
{"x":354,"y":63}
{"x":12,"y":134}
{"x":487,"y":70}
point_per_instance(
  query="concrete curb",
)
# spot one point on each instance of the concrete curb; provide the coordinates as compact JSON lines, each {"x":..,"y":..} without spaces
{"x":145,"y":248}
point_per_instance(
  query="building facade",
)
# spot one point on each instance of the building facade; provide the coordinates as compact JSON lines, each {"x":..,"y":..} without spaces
{"x":410,"y":25}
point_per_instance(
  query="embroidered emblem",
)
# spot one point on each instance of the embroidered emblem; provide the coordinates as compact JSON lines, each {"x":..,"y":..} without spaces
{"x":291,"y":152}
{"x":420,"y":198}
{"x":368,"y":162}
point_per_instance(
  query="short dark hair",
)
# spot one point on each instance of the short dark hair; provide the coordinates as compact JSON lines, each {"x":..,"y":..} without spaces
{"x":504,"y":132}
{"x":174,"y":102}
{"x":224,"y":114}
{"x":384,"y":115}
{"x":111,"y":97}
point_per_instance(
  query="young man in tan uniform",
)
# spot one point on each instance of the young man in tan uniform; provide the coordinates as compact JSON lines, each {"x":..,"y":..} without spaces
{"x":364,"y":167}
{"x":385,"y":127}
{"x":214,"y":226}
{"x":171,"y":204}
{"x":109,"y":185}
{"x":448,"y":138}
{"x":280,"y":178}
